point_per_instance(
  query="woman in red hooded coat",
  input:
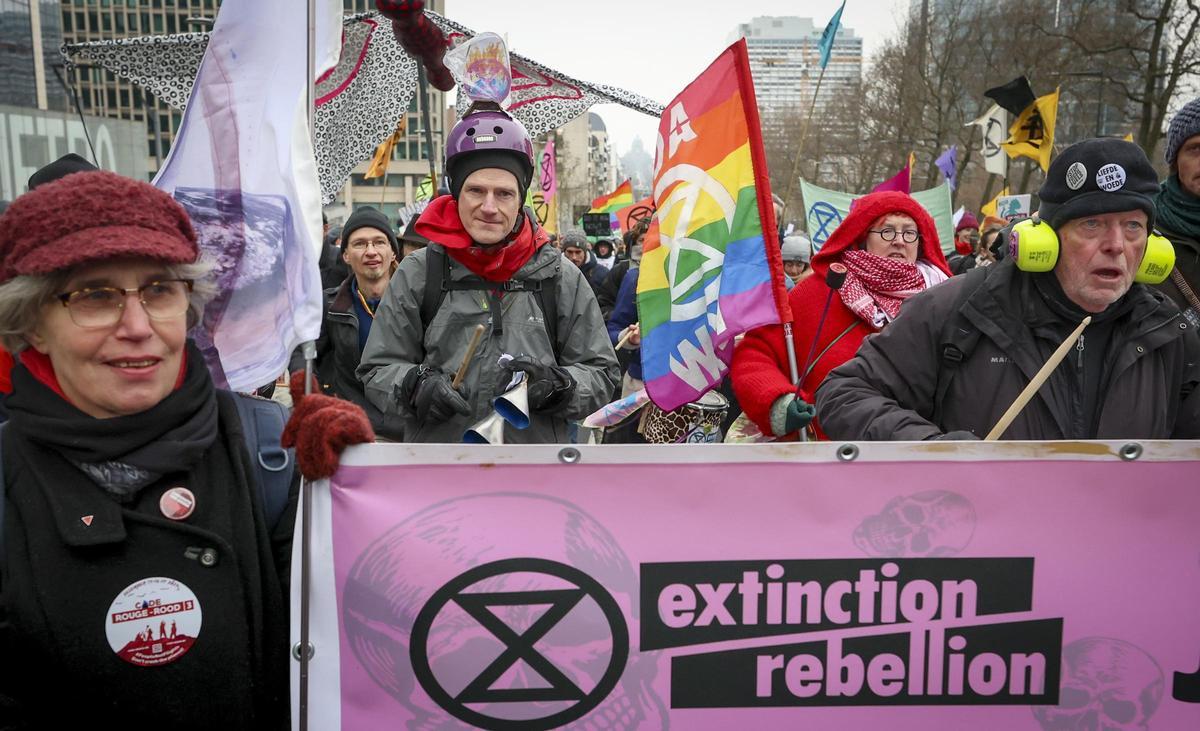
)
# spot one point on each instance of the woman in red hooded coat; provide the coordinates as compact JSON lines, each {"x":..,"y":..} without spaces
{"x":889,"y":245}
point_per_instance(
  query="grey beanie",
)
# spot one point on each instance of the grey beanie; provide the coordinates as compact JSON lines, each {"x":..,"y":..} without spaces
{"x":796,"y":248}
{"x":1184,"y":125}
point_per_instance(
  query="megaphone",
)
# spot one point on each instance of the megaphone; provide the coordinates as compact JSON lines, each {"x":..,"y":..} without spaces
{"x":489,"y":430}
{"x":513,"y":404}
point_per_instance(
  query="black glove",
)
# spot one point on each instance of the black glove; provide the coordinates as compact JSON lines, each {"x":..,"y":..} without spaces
{"x":954,"y":436}
{"x":431,"y":397}
{"x":550,"y":386}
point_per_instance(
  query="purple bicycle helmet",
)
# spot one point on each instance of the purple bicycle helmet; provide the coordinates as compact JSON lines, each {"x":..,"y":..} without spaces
{"x":489,"y":138}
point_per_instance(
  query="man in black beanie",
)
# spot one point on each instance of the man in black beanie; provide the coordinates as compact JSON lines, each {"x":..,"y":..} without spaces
{"x":1178,"y":208}
{"x":960,"y":353}
{"x":369,"y":248}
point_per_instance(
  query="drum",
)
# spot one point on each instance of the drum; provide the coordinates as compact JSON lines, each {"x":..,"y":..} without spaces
{"x":696,"y":423}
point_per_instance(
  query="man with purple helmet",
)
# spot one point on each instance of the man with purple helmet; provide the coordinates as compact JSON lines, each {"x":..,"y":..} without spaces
{"x":487,"y":264}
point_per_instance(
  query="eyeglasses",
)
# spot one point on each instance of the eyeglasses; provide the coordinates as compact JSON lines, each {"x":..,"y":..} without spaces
{"x":96,"y":307}
{"x":889,"y":234}
{"x":362,"y":245}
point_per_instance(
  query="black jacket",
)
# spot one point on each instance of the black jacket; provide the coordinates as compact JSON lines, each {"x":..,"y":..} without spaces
{"x":338,"y":356}
{"x":1187,"y":263}
{"x":74,"y":562}
{"x":960,"y":353}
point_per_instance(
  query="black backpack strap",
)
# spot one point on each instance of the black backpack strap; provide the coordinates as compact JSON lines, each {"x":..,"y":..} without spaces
{"x":2,"y":498}
{"x":437,"y":271}
{"x":262,"y":425}
{"x":956,"y":342}
{"x":548,"y":298}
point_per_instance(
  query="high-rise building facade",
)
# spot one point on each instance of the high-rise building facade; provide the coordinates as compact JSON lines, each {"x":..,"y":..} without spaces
{"x":786,"y":64}
{"x":104,"y":94}
{"x":37,"y":125}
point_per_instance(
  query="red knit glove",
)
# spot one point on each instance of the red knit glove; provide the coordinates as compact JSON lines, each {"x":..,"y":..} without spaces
{"x":321,"y":427}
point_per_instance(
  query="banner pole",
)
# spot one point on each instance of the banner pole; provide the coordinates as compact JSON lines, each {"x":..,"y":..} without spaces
{"x":310,"y":352}
{"x":304,"y":649}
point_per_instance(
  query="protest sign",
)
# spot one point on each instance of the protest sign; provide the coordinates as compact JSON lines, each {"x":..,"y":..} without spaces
{"x":1004,"y":586}
{"x":1013,"y":207}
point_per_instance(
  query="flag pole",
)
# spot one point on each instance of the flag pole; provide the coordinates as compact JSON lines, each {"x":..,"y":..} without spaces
{"x":304,"y":649}
{"x":803,"y":137}
{"x":423,"y":90}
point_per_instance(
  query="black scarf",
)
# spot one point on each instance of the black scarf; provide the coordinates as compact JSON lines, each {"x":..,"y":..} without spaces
{"x":126,"y":453}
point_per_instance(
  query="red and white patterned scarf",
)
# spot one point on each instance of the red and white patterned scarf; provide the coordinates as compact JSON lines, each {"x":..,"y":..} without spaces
{"x":875,"y":287}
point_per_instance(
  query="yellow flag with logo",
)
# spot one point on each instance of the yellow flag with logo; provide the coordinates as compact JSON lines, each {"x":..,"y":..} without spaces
{"x":1032,"y":134}
{"x":383,"y":153}
{"x":989,"y":208}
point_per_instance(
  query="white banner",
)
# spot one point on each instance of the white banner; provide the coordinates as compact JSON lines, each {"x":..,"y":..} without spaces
{"x":243,"y":167}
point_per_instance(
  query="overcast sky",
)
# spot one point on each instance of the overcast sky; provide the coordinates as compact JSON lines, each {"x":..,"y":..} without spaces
{"x":651,"y":47}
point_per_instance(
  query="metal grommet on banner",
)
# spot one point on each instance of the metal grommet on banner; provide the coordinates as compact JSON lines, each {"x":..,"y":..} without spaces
{"x":296,"y":651}
{"x":569,"y":455}
{"x":1131,"y":451}
{"x":847,"y":452}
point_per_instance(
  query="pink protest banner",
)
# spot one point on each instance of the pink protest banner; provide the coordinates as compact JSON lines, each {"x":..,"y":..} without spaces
{"x":884,"y":586}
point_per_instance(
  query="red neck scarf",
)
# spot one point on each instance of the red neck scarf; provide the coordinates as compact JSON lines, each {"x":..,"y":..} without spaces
{"x":498,"y":263}
{"x":876,"y":287}
{"x":39,"y":366}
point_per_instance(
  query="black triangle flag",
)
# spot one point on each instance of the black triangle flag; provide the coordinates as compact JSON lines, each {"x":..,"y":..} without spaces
{"x":1015,"y":96}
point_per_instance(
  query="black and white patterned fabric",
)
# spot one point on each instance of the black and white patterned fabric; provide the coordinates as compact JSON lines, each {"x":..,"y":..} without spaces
{"x":361,"y":99}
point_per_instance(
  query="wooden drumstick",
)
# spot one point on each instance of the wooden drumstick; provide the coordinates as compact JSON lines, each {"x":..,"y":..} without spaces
{"x":624,"y":339}
{"x":466,"y":361}
{"x":1038,"y":379}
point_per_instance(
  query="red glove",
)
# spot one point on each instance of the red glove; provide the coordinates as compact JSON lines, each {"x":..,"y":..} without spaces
{"x":321,"y":427}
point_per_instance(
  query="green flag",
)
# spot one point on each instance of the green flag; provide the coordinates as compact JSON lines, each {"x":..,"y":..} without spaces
{"x":825,"y":209}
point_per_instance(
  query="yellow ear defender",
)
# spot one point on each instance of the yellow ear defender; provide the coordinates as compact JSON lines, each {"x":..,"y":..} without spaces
{"x":1033,"y":245}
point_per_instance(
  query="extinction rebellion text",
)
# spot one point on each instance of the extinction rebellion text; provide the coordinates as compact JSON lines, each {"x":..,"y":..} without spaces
{"x":934,"y":655}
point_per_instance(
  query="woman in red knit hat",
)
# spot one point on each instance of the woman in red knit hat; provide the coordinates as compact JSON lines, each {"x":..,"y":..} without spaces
{"x":889,"y":246}
{"x":141,"y":574}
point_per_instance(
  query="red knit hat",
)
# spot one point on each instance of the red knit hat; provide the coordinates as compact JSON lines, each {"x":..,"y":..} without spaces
{"x":866,"y":210}
{"x":92,"y":216}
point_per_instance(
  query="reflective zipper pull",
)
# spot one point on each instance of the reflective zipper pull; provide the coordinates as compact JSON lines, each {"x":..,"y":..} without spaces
{"x":1079,"y":350}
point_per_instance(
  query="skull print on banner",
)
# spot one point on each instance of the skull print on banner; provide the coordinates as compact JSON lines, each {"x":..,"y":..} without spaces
{"x":1107,"y":685}
{"x":382,"y":602}
{"x":932,"y":524}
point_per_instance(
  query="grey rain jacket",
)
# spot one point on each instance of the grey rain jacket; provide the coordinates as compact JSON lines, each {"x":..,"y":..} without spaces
{"x":399,"y":342}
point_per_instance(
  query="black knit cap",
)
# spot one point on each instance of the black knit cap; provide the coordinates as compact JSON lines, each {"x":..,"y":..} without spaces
{"x":1102,"y":175}
{"x":463,"y":165}
{"x":368,"y":217}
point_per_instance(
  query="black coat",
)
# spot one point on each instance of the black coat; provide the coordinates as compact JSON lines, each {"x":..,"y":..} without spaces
{"x":338,"y":356}
{"x":74,"y":558}
{"x":903,"y":385}
{"x":1187,"y":263}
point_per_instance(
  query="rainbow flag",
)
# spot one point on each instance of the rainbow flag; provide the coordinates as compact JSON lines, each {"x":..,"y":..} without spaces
{"x":711,"y":268}
{"x":614,"y":201}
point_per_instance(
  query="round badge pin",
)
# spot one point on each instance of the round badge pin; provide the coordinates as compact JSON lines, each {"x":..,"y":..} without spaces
{"x":1110,"y":178}
{"x":1076,"y":175}
{"x":153,"y":622}
{"x":177,"y":503}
